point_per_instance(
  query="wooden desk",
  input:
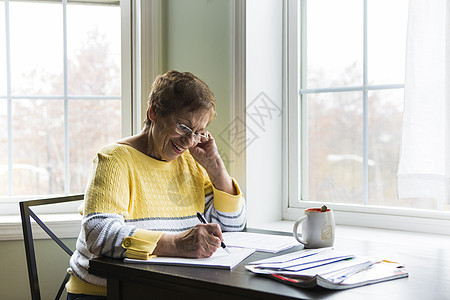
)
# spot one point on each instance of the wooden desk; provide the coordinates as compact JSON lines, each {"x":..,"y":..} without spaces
{"x":429,"y":278}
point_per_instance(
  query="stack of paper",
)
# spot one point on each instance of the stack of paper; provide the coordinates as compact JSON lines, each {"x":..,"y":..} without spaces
{"x":327,"y":268}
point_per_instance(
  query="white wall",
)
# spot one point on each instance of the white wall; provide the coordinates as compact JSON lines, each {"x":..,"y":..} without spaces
{"x":264,"y":110}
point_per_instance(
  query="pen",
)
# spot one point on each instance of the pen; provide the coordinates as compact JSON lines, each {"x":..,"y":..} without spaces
{"x":203,"y":220}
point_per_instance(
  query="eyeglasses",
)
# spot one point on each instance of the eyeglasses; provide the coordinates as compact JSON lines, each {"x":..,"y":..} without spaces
{"x":185,"y":131}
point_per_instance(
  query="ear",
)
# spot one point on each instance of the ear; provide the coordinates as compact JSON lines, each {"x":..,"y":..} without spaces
{"x":151,"y":113}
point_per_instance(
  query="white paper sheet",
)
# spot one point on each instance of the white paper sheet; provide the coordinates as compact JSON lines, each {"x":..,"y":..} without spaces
{"x":259,"y":242}
{"x":220,"y":259}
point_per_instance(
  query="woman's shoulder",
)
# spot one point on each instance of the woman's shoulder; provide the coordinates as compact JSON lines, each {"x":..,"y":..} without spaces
{"x":114,"y":150}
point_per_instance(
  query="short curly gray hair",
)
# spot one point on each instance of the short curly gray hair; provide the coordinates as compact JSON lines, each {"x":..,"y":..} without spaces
{"x":175,"y":90}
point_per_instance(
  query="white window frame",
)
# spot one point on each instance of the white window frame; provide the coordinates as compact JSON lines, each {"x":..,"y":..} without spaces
{"x":141,"y":24}
{"x":130,"y":92}
{"x":295,"y":137}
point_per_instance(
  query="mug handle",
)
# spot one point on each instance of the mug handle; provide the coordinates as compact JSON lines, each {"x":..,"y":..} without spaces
{"x":303,"y":218}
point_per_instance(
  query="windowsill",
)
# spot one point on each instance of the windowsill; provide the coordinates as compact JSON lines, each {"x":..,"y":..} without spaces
{"x":371,"y":234}
{"x":68,"y":226}
{"x":63,"y":225}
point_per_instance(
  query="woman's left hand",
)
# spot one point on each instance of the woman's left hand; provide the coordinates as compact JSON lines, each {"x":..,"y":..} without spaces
{"x":207,"y":155}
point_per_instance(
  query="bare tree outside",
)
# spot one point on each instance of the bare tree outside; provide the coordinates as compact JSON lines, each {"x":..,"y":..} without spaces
{"x":38,"y":124}
{"x":338,"y":67}
{"x":335,"y":153}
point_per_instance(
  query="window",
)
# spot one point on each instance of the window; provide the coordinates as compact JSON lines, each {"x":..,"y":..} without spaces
{"x":352,"y":92}
{"x":60,"y":87}
{"x":348,"y":107}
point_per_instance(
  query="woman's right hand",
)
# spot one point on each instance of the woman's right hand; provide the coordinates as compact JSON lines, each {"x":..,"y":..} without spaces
{"x":201,"y":240}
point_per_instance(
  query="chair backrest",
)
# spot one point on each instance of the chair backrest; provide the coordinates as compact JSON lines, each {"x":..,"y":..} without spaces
{"x":26,"y":213}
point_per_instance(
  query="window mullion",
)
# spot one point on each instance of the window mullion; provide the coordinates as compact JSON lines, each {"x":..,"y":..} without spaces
{"x":352,"y":88}
{"x":9,"y":100}
{"x":66,"y":103}
{"x":303,"y":104}
{"x":365,"y":113}
{"x":331,"y":90}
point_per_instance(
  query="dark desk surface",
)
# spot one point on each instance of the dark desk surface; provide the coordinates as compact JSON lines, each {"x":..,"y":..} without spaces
{"x":428,"y":267}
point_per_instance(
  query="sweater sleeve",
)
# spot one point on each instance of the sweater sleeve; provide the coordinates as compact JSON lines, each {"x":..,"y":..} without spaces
{"x":141,"y":244}
{"x":105,"y":210}
{"x":225,"y":209}
{"x":108,"y":186}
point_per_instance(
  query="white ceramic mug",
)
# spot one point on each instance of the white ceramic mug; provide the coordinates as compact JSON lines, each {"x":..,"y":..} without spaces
{"x":318,"y":228}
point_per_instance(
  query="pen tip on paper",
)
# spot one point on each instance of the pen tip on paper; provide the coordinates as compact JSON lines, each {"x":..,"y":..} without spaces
{"x":228,"y":251}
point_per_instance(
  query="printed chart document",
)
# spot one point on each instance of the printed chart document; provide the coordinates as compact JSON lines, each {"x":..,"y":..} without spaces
{"x":327,"y":268}
{"x":259,"y":242}
{"x":220,"y":259}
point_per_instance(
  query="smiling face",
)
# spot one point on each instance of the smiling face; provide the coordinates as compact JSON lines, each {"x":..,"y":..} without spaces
{"x":166,"y":143}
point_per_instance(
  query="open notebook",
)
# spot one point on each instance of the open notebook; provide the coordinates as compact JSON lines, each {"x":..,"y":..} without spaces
{"x":220,"y":259}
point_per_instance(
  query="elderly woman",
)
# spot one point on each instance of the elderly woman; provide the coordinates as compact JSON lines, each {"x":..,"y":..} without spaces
{"x":145,"y":190}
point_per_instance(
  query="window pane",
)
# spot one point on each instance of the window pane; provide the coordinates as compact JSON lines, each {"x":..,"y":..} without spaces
{"x":36,"y":48}
{"x":3,"y":149}
{"x":387,"y":21}
{"x":334,"y":43}
{"x":93,"y":49}
{"x":37,"y":73}
{"x":94,"y":124}
{"x":335,"y":147}
{"x":38,"y":143}
{"x":2,"y":51}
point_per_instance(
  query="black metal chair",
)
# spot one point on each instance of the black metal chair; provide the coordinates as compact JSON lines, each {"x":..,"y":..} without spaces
{"x":26,"y":213}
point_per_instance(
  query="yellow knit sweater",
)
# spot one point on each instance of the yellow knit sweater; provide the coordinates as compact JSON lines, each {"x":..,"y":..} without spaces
{"x":132,"y":199}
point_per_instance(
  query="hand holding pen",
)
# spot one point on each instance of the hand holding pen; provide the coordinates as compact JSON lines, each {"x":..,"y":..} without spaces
{"x":203,"y":220}
{"x":200,"y":241}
